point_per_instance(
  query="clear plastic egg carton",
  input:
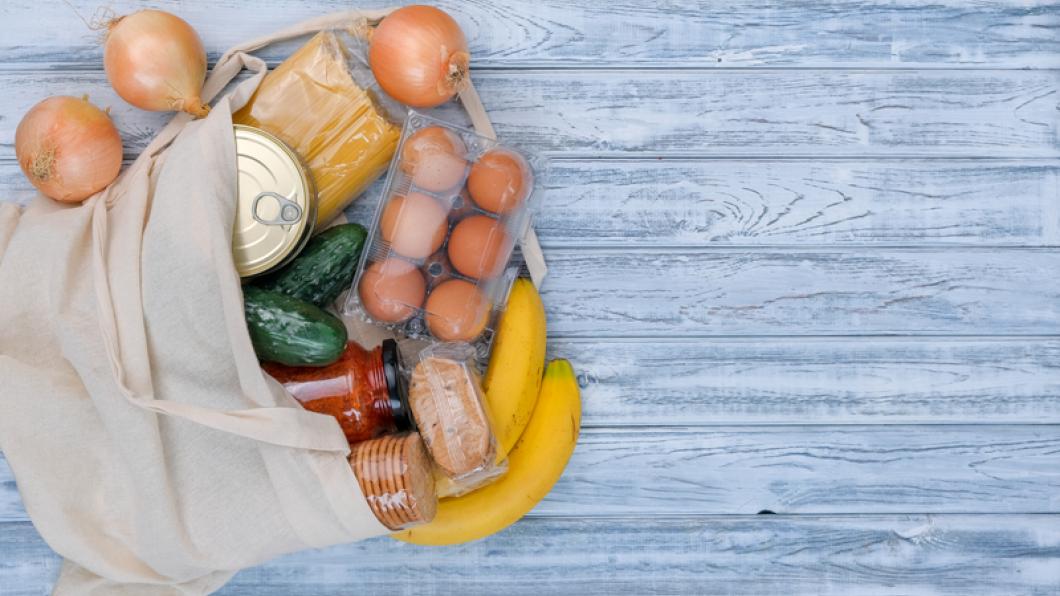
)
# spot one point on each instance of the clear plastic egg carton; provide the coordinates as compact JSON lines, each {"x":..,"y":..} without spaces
{"x":442,"y":250}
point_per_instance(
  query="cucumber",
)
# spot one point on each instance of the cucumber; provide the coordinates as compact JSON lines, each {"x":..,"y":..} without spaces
{"x":291,"y":331}
{"x":324,"y":268}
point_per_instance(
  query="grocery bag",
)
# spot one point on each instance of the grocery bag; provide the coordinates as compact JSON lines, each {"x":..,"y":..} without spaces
{"x":149,"y":448}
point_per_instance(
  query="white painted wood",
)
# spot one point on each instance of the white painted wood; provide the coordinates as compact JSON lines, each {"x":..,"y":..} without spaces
{"x":832,"y":199}
{"x":816,"y":381}
{"x":746,"y":555}
{"x":507,"y":33}
{"x":724,"y":292}
{"x":720,"y":292}
{"x":691,"y":112}
{"x":775,"y":202}
{"x":793,"y":469}
{"x":769,"y":202}
{"x":748,"y":203}
{"x":704,"y":382}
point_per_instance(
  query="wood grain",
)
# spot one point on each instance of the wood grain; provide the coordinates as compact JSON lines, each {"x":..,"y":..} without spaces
{"x":873,"y":554}
{"x":720,"y":292}
{"x":820,"y":380}
{"x":794,"y":469}
{"x":746,"y":202}
{"x":774,"y":203}
{"x":509,"y":33}
{"x":778,"y":202}
{"x":679,"y":112}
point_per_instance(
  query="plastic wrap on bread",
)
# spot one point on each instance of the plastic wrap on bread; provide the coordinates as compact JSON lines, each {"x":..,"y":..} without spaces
{"x":447,"y":401}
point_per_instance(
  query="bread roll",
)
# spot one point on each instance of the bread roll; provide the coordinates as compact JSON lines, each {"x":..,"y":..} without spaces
{"x":447,"y":403}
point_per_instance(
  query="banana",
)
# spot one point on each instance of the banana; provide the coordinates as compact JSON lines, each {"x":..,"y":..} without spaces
{"x":534,"y":466}
{"x":513,"y":378}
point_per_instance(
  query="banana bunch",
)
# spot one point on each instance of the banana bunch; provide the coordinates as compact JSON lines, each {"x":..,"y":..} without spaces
{"x":536,"y":422}
{"x":534,"y":465}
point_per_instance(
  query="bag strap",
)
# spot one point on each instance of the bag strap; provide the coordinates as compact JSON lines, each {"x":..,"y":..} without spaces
{"x":335,"y":20}
{"x":233,"y":61}
{"x":531,"y":248}
{"x":236,"y":59}
{"x":289,"y":427}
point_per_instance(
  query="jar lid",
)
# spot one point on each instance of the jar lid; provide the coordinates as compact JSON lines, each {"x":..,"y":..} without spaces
{"x":275,"y":204}
{"x":397,"y":387}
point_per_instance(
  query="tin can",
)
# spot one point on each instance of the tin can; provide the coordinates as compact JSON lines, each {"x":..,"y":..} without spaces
{"x":275,"y":204}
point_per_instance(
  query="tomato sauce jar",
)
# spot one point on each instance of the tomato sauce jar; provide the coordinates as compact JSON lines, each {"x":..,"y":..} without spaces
{"x":364,"y":390}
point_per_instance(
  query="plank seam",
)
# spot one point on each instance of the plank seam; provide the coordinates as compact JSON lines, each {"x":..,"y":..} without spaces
{"x":699,"y":158}
{"x":596,"y":67}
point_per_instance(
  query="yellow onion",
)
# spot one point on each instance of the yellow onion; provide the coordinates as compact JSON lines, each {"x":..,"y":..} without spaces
{"x":156,"y":62}
{"x":419,"y":56}
{"x":68,"y":148}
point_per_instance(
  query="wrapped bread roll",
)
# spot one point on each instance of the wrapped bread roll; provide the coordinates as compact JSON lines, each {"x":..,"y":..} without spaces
{"x":446,"y":399}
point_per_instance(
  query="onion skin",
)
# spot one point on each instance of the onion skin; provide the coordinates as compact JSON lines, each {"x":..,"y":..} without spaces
{"x":156,"y":62}
{"x":68,"y":148}
{"x":419,"y":56}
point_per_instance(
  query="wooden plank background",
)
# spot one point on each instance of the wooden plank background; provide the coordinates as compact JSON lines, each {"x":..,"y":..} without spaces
{"x":739,"y":555}
{"x":592,"y":33}
{"x":804,"y":260}
{"x":631,"y":113}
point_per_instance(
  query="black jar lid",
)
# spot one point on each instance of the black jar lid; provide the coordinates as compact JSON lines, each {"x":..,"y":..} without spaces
{"x":397,"y":387}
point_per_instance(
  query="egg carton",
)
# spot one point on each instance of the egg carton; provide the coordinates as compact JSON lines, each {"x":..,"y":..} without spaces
{"x":442,"y":252}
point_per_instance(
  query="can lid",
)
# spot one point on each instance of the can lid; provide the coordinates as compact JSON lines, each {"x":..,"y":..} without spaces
{"x":275,"y":204}
{"x":397,"y":387}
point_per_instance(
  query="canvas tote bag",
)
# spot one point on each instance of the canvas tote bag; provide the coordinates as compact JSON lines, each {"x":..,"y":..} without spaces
{"x":149,"y":448}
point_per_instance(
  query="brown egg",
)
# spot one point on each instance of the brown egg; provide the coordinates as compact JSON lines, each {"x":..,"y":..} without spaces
{"x":434,"y":157}
{"x":392,"y":290}
{"x":500,"y":181}
{"x":457,"y":311}
{"x":414,"y":225}
{"x":479,"y":247}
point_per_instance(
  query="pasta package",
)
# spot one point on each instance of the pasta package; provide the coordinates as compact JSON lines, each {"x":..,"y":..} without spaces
{"x":319,"y":103}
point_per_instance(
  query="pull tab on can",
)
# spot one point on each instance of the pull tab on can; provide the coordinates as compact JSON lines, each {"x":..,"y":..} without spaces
{"x":290,"y":211}
{"x":275,"y":204}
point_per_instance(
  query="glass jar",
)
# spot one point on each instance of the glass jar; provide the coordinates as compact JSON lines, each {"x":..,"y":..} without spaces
{"x":364,"y":390}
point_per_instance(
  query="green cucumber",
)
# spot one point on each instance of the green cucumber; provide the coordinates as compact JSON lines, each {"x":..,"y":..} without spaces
{"x":291,"y":331}
{"x":324,"y":268}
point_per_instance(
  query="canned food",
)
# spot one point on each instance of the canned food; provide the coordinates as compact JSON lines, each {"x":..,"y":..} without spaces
{"x":275,"y":206}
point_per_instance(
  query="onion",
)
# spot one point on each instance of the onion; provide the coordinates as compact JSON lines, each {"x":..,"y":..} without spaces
{"x":419,"y":56}
{"x":68,"y":148}
{"x":155,"y":61}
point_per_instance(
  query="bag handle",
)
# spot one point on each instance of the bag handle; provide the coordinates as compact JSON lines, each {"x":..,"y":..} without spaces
{"x":237,"y":58}
{"x":288,"y":427}
{"x":532,"y":255}
{"x":480,"y":120}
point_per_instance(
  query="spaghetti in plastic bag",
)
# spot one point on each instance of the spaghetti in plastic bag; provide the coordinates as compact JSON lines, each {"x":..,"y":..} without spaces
{"x":324,"y":103}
